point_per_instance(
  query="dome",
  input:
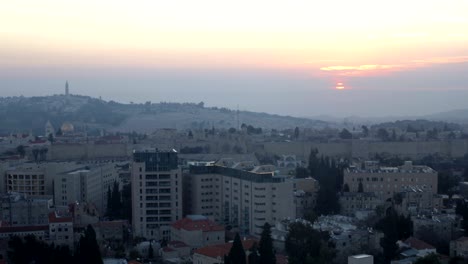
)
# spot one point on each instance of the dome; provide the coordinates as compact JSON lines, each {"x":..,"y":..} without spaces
{"x":67,"y":128}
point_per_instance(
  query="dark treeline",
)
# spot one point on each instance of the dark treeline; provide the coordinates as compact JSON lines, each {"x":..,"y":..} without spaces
{"x":119,"y":203}
{"x":329,"y":174}
{"x":31,"y":250}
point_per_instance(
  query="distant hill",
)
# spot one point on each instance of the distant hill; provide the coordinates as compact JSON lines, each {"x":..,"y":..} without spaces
{"x":456,"y":116}
{"x":92,"y":114}
{"x":418,"y":125}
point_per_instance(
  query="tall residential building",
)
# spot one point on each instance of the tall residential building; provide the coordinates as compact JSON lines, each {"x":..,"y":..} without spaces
{"x":240,"y":199}
{"x":156,"y":192}
{"x":387,"y":181}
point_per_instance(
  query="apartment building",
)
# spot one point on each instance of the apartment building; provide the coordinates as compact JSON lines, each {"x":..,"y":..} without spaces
{"x":86,"y":184}
{"x":156,"y":192}
{"x":61,"y":229}
{"x":240,"y":199}
{"x":22,"y":210}
{"x":386,"y":181}
{"x":353,"y":202}
{"x":30,"y":180}
{"x":34,"y":178}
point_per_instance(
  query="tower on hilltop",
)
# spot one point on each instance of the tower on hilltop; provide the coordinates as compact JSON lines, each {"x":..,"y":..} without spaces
{"x":67,"y":91}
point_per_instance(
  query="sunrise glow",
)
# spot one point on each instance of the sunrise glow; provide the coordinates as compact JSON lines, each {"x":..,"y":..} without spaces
{"x":297,"y":36}
{"x":340,"y":86}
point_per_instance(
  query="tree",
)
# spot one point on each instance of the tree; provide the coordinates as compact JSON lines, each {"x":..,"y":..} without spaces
{"x":150,"y":251}
{"x":330,"y":179}
{"x":301,"y":173}
{"x":237,"y":254}
{"x":267,"y":254}
{"x":306,"y":245}
{"x":313,"y":163}
{"x":345,"y":134}
{"x":59,"y":132}
{"x":88,"y":248}
{"x":365,"y":131}
{"x":360,"y":187}
{"x":116,"y":201}
{"x":35,"y":153}
{"x":296,"y":133}
{"x":50,"y":138}
{"x":254,"y":258}
{"x":21,"y":151}
{"x":346,"y":188}
{"x":388,"y":225}
{"x":429,"y":259}
{"x":109,"y":201}
{"x":190,"y":134}
{"x":382,"y":133}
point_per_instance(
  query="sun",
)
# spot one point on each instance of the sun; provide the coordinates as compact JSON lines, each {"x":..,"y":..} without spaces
{"x":339,"y":86}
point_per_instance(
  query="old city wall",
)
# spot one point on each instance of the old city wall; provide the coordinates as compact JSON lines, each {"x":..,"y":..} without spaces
{"x":366,"y":149}
{"x":86,"y":151}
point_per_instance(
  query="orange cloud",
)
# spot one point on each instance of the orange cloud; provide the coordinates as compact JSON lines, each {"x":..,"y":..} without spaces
{"x":367,"y":69}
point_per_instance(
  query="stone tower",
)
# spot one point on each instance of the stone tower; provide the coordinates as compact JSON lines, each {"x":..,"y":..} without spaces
{"x":67,"y":92}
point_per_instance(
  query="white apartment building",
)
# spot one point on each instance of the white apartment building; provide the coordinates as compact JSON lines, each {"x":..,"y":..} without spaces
{"x":386,"y":181}
{"x":156,"y":192}
{"x":86,"y":184}
{"x":240,"y":199}
{"x":34,"y":178}
{"x":61,"y":229}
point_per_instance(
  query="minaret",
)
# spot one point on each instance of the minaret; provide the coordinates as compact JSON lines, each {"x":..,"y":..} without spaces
{"x":66,"y":89}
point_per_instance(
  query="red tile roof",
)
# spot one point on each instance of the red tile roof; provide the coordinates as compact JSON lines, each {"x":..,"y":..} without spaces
{"x":204,"y":225}
{"x":167,"y":249}
{"x":177,"y":244}
{"x":115,"y":223}
{"x":462,"y":239}
{"x":54,"y":218}
{"x":14,"y":229}
{"x":222,"y":249}
{"x":418,"y":244}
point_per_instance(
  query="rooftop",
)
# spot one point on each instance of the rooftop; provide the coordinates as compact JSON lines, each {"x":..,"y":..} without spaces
{"x":219,"y":251}
{"x":197,"y":222}
{"x":417,"y":244}
{"x":55,"y":218}
{"x":401,"y":169}
{"x":236,"y":173}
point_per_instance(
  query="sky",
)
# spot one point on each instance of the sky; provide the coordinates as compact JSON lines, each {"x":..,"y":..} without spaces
{"x":286,"y":57}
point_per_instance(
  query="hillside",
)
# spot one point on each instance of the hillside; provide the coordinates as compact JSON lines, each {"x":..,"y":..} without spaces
{"x":26,"y":113}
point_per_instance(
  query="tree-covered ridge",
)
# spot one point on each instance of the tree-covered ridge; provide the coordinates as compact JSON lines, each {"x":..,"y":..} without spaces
{"x":25,"y":113}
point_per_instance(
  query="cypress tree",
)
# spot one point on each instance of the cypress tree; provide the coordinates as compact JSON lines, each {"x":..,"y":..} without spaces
{"x":267,"y":254}
{"x":254,"y":258}
{"x":150,"y":251}
{"x":116,"y":203}
{"x":109,"y":201}
{"x":390,"y":230}
{"x":360,"y":187}
{"x":88,"y":248}
{"x":237,"y":253}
